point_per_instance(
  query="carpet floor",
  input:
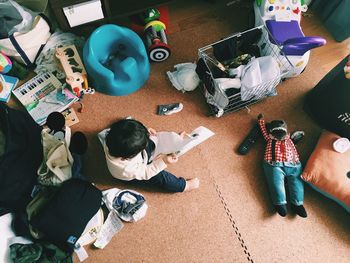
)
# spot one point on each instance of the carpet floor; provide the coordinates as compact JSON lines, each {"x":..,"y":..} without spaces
{"x":230,"y":218}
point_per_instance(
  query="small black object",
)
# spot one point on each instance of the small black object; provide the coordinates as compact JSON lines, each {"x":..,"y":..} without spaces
{"x":299,"y":210}
{"x":78,"y":143}
{"x":281,"y":210}
{"x":249,"y":140}
{"x":297,"y":136}
{"x":55,"y":121}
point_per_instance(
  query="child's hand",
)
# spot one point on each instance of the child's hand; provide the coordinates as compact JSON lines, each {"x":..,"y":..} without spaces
{"x":170,"y":158}
{"x":152,"y":132}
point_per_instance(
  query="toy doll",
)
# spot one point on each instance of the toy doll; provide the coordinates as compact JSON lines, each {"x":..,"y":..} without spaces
{"x":57,"y":124}
{"x":281,"y":162}
{"x":77,"y":143}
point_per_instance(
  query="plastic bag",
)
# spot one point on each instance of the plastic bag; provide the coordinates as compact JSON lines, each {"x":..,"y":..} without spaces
{"x":25,"y":47}
{"x":14,"y":18}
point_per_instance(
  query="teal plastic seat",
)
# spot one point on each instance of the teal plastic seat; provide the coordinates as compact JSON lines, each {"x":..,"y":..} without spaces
{"x":116,"y":60}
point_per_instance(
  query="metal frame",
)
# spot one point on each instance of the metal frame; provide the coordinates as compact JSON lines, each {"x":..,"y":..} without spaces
{"x":235,"y":102}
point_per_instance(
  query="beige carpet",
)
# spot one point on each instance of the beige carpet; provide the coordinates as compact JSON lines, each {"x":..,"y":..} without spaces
{"x":230,"y":218}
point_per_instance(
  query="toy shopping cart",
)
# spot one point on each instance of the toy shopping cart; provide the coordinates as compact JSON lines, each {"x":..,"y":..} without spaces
{"x":235,"y":74}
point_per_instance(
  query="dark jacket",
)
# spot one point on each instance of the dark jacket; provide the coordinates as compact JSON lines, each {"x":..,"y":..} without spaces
{"x":21,"y":159}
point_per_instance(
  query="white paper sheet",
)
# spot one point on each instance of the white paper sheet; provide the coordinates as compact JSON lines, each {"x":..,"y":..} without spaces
{"x":83,"y":13}
{"x":171,"y":142}
{"x":111,"y":226}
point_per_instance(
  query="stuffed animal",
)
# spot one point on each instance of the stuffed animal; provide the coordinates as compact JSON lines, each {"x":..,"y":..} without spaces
{"x":281,"y":162}
{"x":57,"y":124}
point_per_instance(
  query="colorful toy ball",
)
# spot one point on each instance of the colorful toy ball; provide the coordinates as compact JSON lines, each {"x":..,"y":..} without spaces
{"x":5,"y":63}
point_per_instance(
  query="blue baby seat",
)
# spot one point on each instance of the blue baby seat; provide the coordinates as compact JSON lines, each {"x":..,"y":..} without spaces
{"x":116,"y":60}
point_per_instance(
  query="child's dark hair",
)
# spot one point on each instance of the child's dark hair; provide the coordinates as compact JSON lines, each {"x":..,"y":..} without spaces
{"x":127,"y":138}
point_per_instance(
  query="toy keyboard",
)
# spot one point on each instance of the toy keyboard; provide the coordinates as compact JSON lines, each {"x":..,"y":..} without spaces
{"x":44,"y":94}
{"x":37,"y":88}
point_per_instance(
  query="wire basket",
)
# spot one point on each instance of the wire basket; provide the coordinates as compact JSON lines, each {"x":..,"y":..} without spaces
{"x":221,"y":100}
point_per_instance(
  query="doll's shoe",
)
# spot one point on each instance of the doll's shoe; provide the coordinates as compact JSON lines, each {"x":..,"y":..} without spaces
{"x":297,"y":136}
{"x":281,"y":210}
{"x":299,"y":210}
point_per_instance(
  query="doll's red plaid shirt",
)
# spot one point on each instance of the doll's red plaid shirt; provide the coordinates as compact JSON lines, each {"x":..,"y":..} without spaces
{"x":284,"y":150}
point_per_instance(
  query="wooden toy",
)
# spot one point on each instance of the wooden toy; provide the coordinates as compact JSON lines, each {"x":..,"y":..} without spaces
{"x":74,"y":69}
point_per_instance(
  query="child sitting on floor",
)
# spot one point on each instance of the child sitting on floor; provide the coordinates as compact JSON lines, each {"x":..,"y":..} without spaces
{"x":129,"y":148}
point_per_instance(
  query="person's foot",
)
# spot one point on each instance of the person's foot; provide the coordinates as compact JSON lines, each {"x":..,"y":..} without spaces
{"x":299,"y":210}
{"x":192,"y":184}
{"x":281,"y":210}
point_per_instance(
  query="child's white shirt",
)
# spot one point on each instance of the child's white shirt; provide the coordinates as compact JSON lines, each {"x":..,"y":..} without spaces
{"x":133,"y":168}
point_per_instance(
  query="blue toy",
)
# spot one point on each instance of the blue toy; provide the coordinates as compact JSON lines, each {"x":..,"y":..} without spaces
{"x":116,"y":60}
{"x":282,"y":19}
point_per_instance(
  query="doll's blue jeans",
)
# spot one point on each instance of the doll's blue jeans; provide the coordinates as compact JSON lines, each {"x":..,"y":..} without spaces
{"x":276,"y":174}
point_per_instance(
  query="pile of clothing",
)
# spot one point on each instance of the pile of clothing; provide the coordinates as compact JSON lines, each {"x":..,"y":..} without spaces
{"x":236,"y":73}
{"x":56,"y":212}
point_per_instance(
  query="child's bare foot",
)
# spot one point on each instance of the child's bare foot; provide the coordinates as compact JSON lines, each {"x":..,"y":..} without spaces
{"x":192,"y":184}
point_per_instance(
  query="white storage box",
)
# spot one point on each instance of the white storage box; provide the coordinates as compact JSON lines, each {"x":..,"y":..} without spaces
{"x":83,"y":13}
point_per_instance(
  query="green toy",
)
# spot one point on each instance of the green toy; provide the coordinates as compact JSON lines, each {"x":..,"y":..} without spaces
{"x":18,"y":70}
{"x":149,"y":15}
